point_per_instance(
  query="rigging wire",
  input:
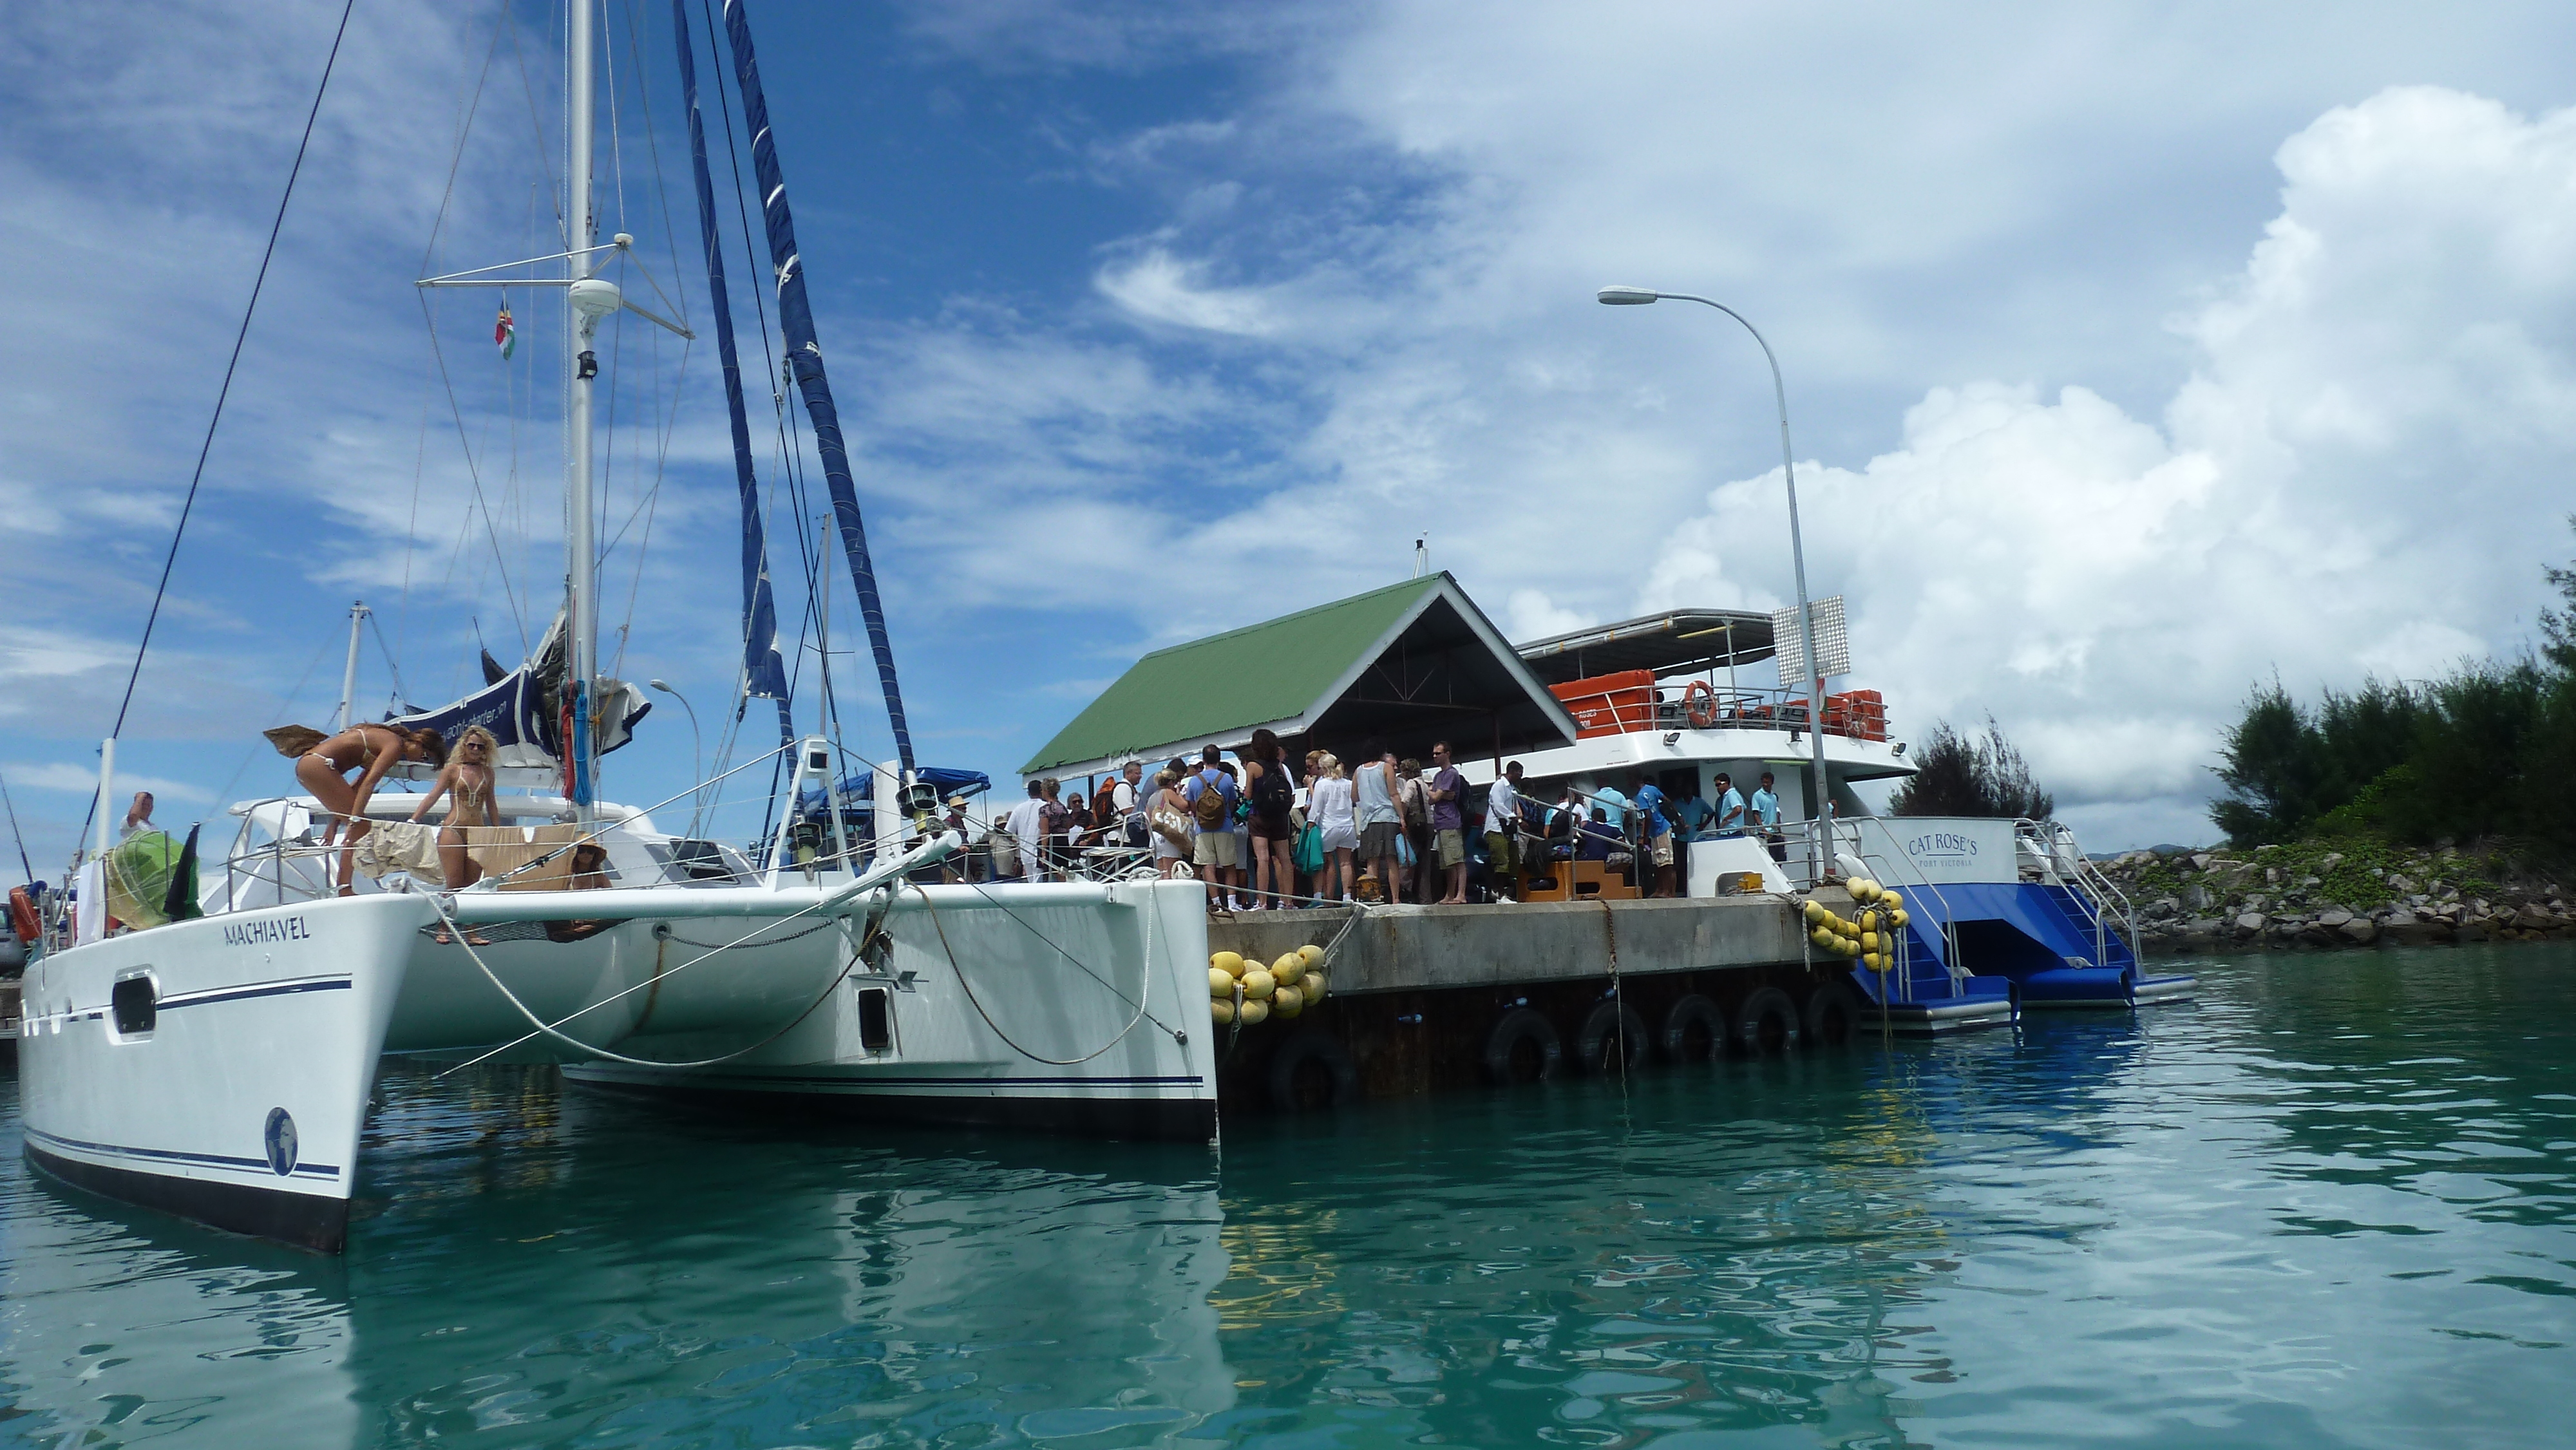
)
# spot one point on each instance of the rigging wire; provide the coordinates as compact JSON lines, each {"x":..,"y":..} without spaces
{"x":240,"y":336}
{"x":23,"y":862}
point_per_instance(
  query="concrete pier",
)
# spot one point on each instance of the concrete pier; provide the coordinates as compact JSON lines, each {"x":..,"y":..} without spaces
{"x":1431,"y":997}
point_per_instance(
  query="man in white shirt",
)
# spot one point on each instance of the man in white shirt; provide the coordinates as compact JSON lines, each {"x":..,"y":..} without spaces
{"x":1125,"y":794}
{"x":1027,"y":825}
{"x":1502,"y":828}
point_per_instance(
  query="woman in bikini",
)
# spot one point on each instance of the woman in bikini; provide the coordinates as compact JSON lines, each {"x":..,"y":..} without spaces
{"x":371,"y":750}
{"x":468,"y":778}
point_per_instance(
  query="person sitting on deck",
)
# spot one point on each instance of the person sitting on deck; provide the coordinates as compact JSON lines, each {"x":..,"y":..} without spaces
{"x":1596,"y":837}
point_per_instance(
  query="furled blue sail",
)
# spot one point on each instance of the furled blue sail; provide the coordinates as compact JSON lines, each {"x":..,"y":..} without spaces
{"x":805,"y":360}
{"x":524,"y":711}
{"x":764,"y":674}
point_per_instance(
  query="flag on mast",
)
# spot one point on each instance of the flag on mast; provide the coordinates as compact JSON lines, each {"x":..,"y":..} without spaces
{"x":504,"y":335}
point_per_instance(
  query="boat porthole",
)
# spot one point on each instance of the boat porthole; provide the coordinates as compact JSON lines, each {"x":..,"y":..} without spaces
{"x":134,"y":1005}
{"x":280,"y":1138}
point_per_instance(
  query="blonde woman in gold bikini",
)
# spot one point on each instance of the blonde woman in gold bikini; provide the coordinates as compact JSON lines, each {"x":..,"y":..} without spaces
{"x":468,"y":778}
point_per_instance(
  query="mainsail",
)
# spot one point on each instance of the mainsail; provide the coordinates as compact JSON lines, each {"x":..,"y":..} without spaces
{"x":762,"y":671}
{"x":805,"y":361}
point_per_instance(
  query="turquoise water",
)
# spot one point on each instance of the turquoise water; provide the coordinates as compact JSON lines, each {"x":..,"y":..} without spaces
{"x":2328,"y":1205}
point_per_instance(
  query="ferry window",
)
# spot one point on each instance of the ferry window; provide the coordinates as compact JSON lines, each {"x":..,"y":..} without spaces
{"x":134,"y":1006}
{"x":876,"y":1029}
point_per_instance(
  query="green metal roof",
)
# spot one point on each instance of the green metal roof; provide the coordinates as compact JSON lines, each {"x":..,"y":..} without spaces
{"x":1275,"y":670}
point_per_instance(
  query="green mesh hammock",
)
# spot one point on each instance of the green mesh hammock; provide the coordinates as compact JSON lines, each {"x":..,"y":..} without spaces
{"x":139,"y":871}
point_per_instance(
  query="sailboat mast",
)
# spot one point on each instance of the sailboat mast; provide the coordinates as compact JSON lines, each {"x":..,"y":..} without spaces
{"x":581,"y":365}
{"x":349,"y":675}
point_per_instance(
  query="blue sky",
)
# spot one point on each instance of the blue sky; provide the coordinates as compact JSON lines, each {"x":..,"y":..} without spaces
{"x":2134,"y":353}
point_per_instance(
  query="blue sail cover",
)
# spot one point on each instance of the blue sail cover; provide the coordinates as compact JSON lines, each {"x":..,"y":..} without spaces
{"x":805,"y":360}
{"x":858,"y":792}
{"x":763,"y":672}
{"x":524,"y":711}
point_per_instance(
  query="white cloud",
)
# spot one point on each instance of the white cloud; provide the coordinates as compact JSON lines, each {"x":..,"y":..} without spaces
{"x":2379,"y":408}
{"x":1163,"y":289}
{"x":82,"y":780}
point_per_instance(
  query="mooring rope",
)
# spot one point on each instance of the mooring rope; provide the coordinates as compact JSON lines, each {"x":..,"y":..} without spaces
{"x":1144,"y":990}
{"x":546,"y":1029}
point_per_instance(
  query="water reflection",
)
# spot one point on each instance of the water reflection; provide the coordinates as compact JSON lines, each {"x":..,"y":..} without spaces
{"x":2328,"y":1205}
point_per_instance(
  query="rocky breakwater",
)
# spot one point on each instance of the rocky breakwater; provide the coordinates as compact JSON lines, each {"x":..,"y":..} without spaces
{"x":2317,"y":894}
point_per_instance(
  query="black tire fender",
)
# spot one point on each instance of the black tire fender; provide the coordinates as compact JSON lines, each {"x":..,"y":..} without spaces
{"x":1602,"y":1032}
{"x":1516,"y":1025}
{"x":1767,"y":1023}
{"x":1317,"y":1046}
{"x":1832,"y":1015}
{"x":1693,"y":1011}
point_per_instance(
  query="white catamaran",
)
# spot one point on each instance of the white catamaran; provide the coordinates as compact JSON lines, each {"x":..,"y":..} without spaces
{"x":219,"y":1066}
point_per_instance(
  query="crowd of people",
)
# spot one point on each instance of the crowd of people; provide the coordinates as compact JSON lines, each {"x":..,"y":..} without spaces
{"x":1265,"y":832}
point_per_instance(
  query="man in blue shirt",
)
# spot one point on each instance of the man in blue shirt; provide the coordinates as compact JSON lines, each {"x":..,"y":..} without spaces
{"x":1766,"y":812}
{"x":1612,"y":805}
{"x":1730,"y":806}
{"x":1654,"y":833}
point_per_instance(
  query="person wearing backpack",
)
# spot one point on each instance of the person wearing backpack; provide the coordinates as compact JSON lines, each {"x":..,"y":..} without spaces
{"x":1272,"y":795}
{"x":1213,"y":796}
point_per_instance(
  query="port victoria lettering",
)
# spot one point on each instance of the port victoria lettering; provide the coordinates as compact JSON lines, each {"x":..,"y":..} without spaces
{"x":263,"y":933}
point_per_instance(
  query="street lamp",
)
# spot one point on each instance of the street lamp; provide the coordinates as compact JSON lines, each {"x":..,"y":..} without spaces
{"x":697,"y":757}
{"x":1819,"y":853}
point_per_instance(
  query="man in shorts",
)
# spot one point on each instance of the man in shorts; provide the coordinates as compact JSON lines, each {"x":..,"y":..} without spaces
{"x":1212,"y":794}
{"x":1654,"y":832}
{"x":1449,"y":823}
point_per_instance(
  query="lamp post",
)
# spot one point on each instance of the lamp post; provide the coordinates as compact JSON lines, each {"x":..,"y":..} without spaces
{"x":1820,"y":805}
{"x":697,"y":756}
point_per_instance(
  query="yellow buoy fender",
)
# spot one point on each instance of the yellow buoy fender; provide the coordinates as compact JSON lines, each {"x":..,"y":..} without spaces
{"x":1289,"y":967}
{"x":1869,"y":941}
{"x":1222,"y":1009}
{"x":1287,"y":1001}
{"x":1898,"y":918}
{"x":1258,"y":984}
{"x":1220,"y":983}
{"x":1311,"y":953}
{"x":1230,"y":963}
{"x":1312,"y":986}
{"x":1254,"y":1013}
{"x":1816,"y":913}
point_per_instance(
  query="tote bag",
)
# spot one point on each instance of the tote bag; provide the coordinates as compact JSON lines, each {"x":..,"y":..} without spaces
{"x":1309,"y":855}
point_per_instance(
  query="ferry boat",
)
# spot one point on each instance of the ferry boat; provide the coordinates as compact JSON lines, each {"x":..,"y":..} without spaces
{"x":2004,"y":913}
{"x":213,"y":1057}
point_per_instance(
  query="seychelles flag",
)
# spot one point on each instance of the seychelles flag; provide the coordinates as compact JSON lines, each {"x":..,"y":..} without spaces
{"x":505,"y":336}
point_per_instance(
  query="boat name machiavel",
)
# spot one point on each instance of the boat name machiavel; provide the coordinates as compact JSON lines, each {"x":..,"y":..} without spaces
{"x":264,"y":932}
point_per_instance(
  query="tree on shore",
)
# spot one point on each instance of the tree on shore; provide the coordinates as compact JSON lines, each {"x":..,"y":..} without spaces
{"x":1961,"y":775}
{"x":2488,"y":750}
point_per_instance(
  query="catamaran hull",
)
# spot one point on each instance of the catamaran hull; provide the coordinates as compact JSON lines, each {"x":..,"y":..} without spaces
{"x":230,"y":1085}
{"x":1073,"y":1009}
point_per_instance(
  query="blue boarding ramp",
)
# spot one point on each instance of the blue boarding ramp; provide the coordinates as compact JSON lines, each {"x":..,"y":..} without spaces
{"x":2003,"y":905}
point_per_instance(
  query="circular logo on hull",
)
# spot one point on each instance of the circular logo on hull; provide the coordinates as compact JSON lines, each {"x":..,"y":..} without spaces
{"x":281,"y":1141}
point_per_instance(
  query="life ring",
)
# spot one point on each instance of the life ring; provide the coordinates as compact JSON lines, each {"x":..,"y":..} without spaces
{"x":1332,"y":1082}
{"x":1699,"y":705}
{"x":1694,"y":1030}
{"x":1613,"y":1028}
{"x":1523,"y":1026}
{"x":1766,"y":1023}
{"x":1831,"y":1015}
{"x":23,"y":919}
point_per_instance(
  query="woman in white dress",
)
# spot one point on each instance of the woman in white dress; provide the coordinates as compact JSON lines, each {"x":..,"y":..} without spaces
{"x":1328,"y":805}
